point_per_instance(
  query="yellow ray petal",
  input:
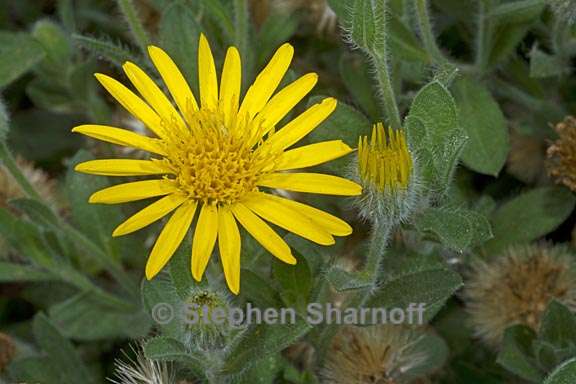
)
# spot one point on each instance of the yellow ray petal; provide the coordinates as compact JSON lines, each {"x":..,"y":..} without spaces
{"x":138,"y":190}
{"x":132,"y":103}
{"x":122,"y":167}
{"x":204,"y":239}
{"x":266,"y":82}
{"x":302,"y":125}
{"x":313,"y":154}
{"x":262,"y":232}
{"x":207,"y":75}
{"x":285,"y":100}
{"x":121,"y":136}
{"x":170,"y":238}
{"x":152,"y":94}
{"x":287,"y":218}
{"x":311,"y":182}
{"x":328,"y":222}
{"x":175,"y":82}
{"x":230,"y":85}
{"x":229,"y":244}
{"x":150,"y":214}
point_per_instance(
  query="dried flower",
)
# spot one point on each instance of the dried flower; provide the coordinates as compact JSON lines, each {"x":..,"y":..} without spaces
{"x":7,"y":351}
{"x":318,"y":13}
{"x":526,"y":158}
{"x":9,"y":188}
{"x":141,"y":370}
{"x":378,"y":354}
{"x":561,"y":162}
{"x":516,"y":288}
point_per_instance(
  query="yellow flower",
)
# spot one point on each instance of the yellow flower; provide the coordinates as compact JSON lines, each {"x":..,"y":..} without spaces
{"x":384,"y":161}
{"x":216,"y":157}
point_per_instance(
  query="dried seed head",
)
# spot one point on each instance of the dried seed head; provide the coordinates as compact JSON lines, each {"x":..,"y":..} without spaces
{"x":7,"y":351}
{"x":561,"y":162}
{"x":516,"y":288}
{"x":383,"y":354}
{"x":526,"y":158}
{"x":9,"y":188}
{"x":141,"y":370}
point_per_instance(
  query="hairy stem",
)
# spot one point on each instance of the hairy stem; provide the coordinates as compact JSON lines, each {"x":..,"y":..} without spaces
{"x":426,"y":33}
{"x":136,"y":27}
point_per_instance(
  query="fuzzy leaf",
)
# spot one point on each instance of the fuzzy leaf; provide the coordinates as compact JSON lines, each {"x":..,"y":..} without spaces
{"x":543,"y":64}
{"x":178,"y":35}
{"x":457,"y":228}
{"x":529,"y":216}
{"x":367,"y":24}
{"x":60,"y":352}
{"x":516,"y":353}
{"x":563,"y":374}
{"x":485,"y":125}
{"x":431,"y":287}
{"x":18,"y":54}
{"x":11,"y":272}
{"x":558,"y":326}
{"x":166,"y":349}
{"x":435,"y":134}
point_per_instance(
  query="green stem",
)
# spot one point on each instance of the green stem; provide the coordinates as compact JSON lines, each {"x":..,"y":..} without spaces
{"x":426,"y":33}
{"x":136,"y":27}
{"x":378,"y":242}
{"x":241,"y":32}
{"x":386,"y":90}
{"x":484,"y":35}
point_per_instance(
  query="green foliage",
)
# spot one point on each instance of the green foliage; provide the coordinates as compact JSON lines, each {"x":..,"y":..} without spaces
{"x":22,"y":53}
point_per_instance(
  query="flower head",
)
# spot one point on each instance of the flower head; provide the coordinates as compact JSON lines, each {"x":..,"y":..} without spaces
{"x":377,"y":354}
{"x":516,"y":288}
{"x":385,"y":168}
{"x":561,"y":162}
{"x":220,"y":158}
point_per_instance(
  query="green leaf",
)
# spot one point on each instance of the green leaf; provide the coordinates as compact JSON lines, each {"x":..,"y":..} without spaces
{"x":96,"y":221}
{"x":165,"y":307}
{"x":19,"y":53}
{"x":435,"y":135}
{"x":431,"y":287}
{"x":403,"y":42}
{"x":60,"y":352}
{"x":345,"y":124}
{"x":517,"y":12}
{"x":276,"y":29}
{"x":563,"y":374}
{"x":35,"y":370}
{"x":359,"y":81}
{"x":529,"y":216}
{"x":260,"y":341}
{"x":11,"y":272}
{"x":485,"y":125}
{"x":367,"y":24}
{"x":37,"y":212}
{"x":516,"y":353}
{"x":178,"y":35}
{"x":162,"y":348}
{"x":258,"y":290}
{"x":54,"y":41}
{"x":457,"y":228}
{"x":558,"y":326}
{"x":295,"y":282}
{"x":545,"y":65}
{"x":343,"y":280}
{"x":76,"y":315}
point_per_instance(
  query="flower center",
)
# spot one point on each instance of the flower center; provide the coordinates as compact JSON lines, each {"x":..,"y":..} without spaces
{"x":213,"y":163}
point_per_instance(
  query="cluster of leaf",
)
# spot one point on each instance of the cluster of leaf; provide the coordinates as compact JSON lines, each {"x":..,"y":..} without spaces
{"x":482,"y":71}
